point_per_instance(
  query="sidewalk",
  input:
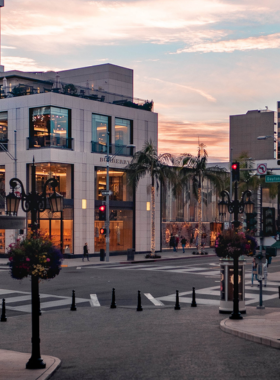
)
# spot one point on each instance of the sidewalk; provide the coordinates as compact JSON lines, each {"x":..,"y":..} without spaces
{"x":101,"y":341}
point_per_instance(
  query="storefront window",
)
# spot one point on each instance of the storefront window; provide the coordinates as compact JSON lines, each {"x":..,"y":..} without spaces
{"x":100,"y":126}
{"x":49,"y":126}
{"x":61,"y":172}
{"x":2,"y":241}
{"x":117,"y":184}
{"x":123,"y":132}
{"x":3,"y":126}
{"x":121,"y":230}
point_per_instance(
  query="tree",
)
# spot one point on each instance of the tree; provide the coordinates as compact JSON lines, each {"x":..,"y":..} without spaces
{"x":194,"y":168}
{"x":158,"y":167}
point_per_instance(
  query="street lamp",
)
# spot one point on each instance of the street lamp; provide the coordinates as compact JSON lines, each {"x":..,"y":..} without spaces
{"x":107,"y":192}
{"x":236,"y":207}
{"x":34,"y":202}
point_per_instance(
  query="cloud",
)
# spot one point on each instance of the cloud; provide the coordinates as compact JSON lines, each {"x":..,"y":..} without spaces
{"x":271,"y":41}
{"x":22,"y":64}
{"x":183,"y":137}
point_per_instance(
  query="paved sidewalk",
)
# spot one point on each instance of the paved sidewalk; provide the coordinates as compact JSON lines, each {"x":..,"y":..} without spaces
{"x":154,"y":344}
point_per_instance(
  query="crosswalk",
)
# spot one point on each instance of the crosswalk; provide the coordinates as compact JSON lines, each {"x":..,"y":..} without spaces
{"x":21,"y":301}
{"x":211,"y":269}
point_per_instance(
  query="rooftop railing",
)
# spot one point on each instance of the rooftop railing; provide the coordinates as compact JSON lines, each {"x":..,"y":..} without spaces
{"x":39,"y":87}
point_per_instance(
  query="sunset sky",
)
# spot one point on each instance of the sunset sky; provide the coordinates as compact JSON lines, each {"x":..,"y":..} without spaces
{"x":199,"y":60}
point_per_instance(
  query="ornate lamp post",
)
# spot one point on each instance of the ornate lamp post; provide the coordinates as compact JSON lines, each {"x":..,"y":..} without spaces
{"x":236,"y":207}
{"x":34,"y":203}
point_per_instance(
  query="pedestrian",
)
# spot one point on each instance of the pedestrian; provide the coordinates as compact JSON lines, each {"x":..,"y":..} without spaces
{"x":183,"y":242}
{"x":86,"y":252}
{"x":254,"y":271}
{"x":176,"y":241}
{"x":172,"y":242}
{"x":265,"y":272}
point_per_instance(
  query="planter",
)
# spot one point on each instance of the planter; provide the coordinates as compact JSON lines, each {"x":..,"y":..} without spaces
{"x":226,"y":285}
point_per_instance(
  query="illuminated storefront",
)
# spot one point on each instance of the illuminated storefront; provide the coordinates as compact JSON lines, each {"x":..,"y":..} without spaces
{"x":58,"y":226}
{"x":121,"y":211}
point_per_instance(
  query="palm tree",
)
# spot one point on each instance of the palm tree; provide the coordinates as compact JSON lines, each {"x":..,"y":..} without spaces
{"x":194,"y":169}
{"x":158,"y":167}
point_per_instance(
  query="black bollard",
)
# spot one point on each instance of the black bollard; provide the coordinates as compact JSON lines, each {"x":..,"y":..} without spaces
{"x":177,"y":305}
{"x":3,"y":315}
{"x":193,"y":304}
{"x":40,"y":313}
{"x":113,"y":304}
{"x":139,"y":306}
{"x":73,"y":306}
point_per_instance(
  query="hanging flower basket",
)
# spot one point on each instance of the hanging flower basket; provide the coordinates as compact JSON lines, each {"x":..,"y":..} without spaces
{"x":230,"y":244}
{"x":35,"y":255}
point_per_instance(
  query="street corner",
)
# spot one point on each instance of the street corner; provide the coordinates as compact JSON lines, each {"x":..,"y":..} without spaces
{"x":259,"y":329}
{"x":13,"y":366}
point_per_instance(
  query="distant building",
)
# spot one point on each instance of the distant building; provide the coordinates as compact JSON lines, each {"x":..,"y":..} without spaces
{"x":62,"y":119}
{"x":246,"y":128}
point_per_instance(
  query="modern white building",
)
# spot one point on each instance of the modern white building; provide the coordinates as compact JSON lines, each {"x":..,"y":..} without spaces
{"x":61,"y":119}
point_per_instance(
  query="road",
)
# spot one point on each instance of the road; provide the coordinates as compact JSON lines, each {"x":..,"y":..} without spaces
{"x":157,"y":282}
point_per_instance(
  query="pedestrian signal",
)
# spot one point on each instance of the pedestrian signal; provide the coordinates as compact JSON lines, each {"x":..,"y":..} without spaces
{"x":102,"y":231}
{"x":102,"y":212}
{"x":235,"y":171}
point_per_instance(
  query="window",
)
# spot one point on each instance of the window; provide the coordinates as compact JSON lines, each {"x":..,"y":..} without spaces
{"x":100,"y":126}
{"x":3,"y":130}
{"x":123,"y":132}
{"x":50,"y":126}
{"x":117,"y":184}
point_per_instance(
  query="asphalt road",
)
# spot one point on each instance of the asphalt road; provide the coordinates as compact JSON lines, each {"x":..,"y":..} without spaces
{"x":160,"y":280}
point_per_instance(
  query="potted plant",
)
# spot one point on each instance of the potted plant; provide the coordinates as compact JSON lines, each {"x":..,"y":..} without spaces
{"x":34,"y":256}
{"x":229,"y":246}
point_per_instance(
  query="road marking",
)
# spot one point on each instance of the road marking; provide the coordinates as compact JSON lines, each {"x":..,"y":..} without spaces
{"x":94,"y":300}
{"x":79,"y":268}
{"x":153,"y":300}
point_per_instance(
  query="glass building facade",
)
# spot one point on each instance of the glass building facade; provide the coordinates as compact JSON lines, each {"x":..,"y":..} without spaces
{"x":121,"y":211}
{"x":57,"y":226}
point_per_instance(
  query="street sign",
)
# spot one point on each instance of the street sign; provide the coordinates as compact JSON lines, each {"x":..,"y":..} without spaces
{"x":110,"y":192}
{"x":262,"y":169}
{"x":272,"y":178}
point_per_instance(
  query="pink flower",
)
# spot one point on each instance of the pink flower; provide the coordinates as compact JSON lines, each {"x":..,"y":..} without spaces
{"x":10,"y":259}
{"x":27,"y":259}
{"x":48,"y":260}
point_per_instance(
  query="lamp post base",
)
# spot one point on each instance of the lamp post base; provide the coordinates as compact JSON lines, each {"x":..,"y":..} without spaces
{"x":35,"y":363}
{"x":235,"y":315}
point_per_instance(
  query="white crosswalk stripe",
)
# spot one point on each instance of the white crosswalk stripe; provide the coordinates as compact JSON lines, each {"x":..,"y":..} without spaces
{"x":251,"y":295}
{"x":204,"y":271}
{"x":14,"y":297}
{"x":94,"y":300}
{"x":155,"y":301}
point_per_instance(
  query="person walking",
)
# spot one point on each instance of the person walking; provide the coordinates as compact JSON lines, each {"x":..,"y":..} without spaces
{"x":172,"y":242}
{"x":86,"y":252}
{"x":183,"y":242}
{"x":254,"y":271}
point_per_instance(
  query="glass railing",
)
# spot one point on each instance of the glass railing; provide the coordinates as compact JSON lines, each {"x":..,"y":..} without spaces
{"x":50,"y":141}
{"x":3,"y":145}
{"x":116,"y":150}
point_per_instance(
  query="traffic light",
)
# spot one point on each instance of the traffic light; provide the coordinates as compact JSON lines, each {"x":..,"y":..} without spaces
{"x":102,"y":212}
{"x":251,"y":220}
{"x":235,"y":171}
{"x":269,"y":221}
{"x":102,"y":231}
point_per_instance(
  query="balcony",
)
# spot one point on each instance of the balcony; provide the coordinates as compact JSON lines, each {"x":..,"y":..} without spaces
{"x":50,"y":141}
{"x":4,"y":145}
{"x":115,"y":150}
{"x":39,"y":87}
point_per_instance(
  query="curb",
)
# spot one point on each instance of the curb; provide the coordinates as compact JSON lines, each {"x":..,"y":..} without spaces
{"x":274,"y":343}
{"x":167,"y":259}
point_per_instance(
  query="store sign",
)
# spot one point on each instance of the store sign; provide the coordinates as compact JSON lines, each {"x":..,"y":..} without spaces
{"x":115,"y":161}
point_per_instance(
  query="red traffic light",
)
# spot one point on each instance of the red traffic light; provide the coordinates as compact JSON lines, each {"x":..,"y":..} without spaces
{"x":102,"y":208}
{"x":102,"y":231}
{"x":234,"y":166}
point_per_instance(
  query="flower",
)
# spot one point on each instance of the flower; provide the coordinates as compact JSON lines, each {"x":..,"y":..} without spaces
{"x":231,"y":243}
{"x":35,"y":256}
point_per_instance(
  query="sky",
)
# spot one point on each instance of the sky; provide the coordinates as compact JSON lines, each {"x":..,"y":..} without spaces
{"x":198,"y":60}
